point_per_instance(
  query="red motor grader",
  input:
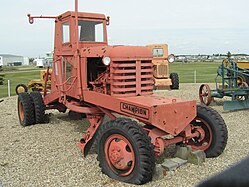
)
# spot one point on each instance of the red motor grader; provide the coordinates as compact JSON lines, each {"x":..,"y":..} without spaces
{"x":96,"y":79}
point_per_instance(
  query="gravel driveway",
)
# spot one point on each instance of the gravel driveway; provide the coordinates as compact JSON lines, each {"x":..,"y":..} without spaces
{"x":47,"y":155}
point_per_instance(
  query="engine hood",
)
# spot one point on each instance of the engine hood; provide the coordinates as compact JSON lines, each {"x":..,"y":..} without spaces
{"x":118,"y":52}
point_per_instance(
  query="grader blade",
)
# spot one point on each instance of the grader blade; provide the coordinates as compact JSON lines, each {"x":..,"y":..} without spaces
{"x":236,"y":105}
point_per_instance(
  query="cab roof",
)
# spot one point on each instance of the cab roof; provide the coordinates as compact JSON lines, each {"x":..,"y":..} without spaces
{"x":82,"y":15}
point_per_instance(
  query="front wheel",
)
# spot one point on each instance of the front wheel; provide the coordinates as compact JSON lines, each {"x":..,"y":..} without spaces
{"x":205,"y":94}
{"x":125,"y":151}
{"x":175,"y":81}
{"x":213,"y":131}
{"x":20,"y":88}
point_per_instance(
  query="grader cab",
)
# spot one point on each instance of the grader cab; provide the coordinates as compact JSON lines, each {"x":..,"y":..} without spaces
{"x":96,"y":79}
{"x":161,"y":60}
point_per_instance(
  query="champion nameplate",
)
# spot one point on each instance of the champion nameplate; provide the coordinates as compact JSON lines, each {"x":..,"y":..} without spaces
{"x":134,"y":110}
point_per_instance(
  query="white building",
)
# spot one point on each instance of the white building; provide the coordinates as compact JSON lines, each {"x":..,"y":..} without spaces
{"x":1,"y":61}
{"x":25,"y":61}
{"x":13,"y":60}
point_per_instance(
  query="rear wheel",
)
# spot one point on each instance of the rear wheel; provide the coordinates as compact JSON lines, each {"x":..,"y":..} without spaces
{"x":39,"y":107}
{"x":25,"y":109}
{"x":125,"y":151}
{"x":21,"y":88}
{"x":242,"y":97}
{"x":213,"y":132}
{"x":242,"y":79}
{"x":175,"y":81}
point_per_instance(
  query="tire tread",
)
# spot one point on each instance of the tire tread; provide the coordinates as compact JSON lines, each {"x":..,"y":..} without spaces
{"x":175,"y":81}
{"x":28,"y":109}
{"x":146,"y":149}
{"x":39,"y":107}
{"x":220,"y":130}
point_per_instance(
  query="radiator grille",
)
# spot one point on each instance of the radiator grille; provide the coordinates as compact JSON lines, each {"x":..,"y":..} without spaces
{"x":161,"y":71}
{"x":131,"y":78}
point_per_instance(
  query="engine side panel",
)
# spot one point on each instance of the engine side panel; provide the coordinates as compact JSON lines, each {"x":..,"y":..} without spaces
{"x":171,"y":115}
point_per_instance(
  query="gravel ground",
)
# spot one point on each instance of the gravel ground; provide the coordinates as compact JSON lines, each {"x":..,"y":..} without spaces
{"x":47,"y":155}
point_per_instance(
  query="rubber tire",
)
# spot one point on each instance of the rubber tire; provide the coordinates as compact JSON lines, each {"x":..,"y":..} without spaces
{"x":218,"y":128}
{"x":175,"y":81}
{"x":28,"y":109}
{"x":244,"y":78}
{"x":247,"y":78}
{"x":21,"y":85}
{"x":141,"y":143}
{"x":39,"y":107}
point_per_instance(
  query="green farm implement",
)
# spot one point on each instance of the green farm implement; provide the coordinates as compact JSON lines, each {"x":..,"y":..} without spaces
{"x":231,"y":81}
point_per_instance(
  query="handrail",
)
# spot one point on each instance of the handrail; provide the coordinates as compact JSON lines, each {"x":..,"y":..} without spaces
{"x":74,"y":79}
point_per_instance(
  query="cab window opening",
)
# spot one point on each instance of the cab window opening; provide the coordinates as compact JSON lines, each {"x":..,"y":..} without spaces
{"x":91,"y":31}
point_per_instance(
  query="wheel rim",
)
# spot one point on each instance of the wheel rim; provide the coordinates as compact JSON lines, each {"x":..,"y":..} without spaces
{"x":205,"y":140}
{"x":21,"y":111}
{"x":20,"y":89}
{"x":119,"y":154}
{"x":205,"y":94}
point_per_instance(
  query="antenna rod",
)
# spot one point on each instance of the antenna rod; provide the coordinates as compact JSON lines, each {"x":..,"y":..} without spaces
{"x":76,"y":23}
{"x":77,"y":49}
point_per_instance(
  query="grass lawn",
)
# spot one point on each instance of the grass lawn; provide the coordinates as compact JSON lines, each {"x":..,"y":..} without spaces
{"x":18,"y":68}
{"x":17,"y":77}
{"x":205,"y":71}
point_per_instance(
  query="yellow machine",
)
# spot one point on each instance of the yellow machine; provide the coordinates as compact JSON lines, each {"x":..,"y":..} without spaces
{"x":242,"y":78}
{"x":161,"y":61}
{"x":243,"y":64}
{"x":35,"y":84}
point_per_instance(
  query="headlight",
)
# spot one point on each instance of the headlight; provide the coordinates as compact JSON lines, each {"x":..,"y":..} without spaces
{"x":106,"y":61}
{"x":171,"y":58}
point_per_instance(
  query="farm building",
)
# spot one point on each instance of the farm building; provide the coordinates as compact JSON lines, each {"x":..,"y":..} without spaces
{"x":13,"y":60}
{"x":1,"y":61}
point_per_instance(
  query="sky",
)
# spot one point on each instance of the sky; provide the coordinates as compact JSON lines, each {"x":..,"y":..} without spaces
{"x":187,"y":26}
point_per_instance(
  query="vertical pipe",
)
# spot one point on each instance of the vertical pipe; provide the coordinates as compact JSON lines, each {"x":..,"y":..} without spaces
{"x":223,"y":81}
{"x":8,"y":88}
{"x":76,"y":24}
{"x":77,"y":49}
